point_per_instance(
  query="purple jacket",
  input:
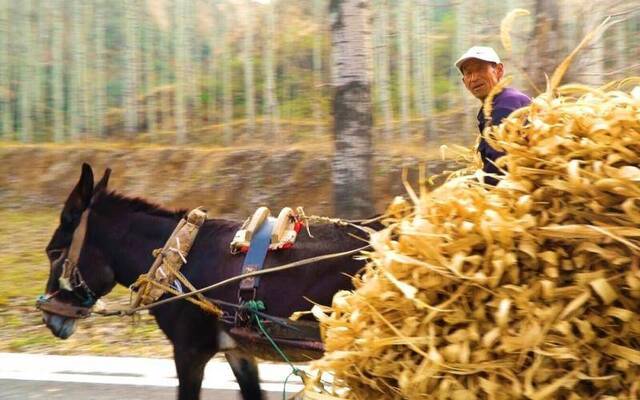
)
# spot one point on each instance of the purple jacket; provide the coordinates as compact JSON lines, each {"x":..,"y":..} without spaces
{"x":504,"y":104}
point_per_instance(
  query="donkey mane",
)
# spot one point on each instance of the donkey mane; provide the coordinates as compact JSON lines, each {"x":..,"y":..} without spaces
{"x":111,"y":202}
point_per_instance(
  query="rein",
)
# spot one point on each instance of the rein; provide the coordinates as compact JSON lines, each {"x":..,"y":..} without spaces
{"x":71,"y":279}
{"x":225,"y":282}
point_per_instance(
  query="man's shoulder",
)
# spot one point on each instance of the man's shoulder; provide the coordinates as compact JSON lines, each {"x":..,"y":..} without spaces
{"x":511,"y":98}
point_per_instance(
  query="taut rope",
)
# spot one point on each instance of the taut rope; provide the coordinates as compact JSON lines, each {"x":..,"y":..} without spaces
{"x":225,"y":282}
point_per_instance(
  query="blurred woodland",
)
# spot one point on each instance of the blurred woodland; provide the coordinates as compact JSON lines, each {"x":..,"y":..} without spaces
{"x":227,"y":72}
{"x":154,"y":88}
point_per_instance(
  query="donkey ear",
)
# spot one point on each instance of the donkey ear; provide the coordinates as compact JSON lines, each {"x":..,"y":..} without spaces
{"x":104,"y":181}
{"x":81,"y":194}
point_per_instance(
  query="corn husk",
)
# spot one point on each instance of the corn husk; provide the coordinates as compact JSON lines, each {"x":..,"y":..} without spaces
{"x":529,"y":290}
{"x":506,"y":25}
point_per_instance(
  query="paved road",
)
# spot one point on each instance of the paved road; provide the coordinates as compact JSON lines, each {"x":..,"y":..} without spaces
{"x":32,"y":376}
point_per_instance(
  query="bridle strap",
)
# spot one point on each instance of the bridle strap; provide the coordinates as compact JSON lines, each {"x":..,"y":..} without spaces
{"x":76,"y":246}
{"x":69,"y":266}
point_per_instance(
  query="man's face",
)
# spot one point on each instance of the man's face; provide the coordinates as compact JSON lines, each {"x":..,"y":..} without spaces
{"x":480,"y":77}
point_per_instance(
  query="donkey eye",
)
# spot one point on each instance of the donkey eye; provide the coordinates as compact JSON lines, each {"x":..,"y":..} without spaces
{"x":54,"y":254}
{"x":66,"y":220}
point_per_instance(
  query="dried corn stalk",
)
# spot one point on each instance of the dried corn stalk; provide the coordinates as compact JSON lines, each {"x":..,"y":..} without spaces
{"x":527,"y":290}
{"x":506,"y":25}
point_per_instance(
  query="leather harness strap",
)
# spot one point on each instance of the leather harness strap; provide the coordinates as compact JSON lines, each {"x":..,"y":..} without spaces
{"x":169,"y":260}
{"x":254,"y":261}
{"x":70,"y":263}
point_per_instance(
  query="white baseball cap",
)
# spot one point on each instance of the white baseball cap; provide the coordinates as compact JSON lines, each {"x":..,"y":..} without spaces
{"x":483,"y":53}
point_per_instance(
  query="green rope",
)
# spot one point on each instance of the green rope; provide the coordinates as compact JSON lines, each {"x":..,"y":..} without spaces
{"x":257,"y":305}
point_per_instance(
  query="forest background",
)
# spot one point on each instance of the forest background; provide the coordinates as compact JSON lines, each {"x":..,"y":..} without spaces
{"x":222,"y":72}
{"x":228,"y":104}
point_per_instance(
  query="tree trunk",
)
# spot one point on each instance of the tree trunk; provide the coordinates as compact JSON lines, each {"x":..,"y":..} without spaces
{"x":87,"y":85}
{"x":227,"y":94}
{"x":429,"y":91}
{"x":247,"y":55}
{"x":319,"y":21}
{"x":166,"y":52}
{"x":403,"y":65}
{"x":212,"y":108}
{"x":417,"y":58}
{"x":352,"y":174}
{"x":179,"y":51}
{"x":5,"y":78}
{"x":545,"y":43}
{"x":100,"y":93}
{"x":149,"y":72}
{"x":382,"y":67}
{"x":592,"y":59}
{"x":191,"y":66}
{"x":513,"y":61}
{"x":40,"y":80}
{"x":57,"y":70}
{"x":423,"y":67}
{"x":26,"y":73}
{"x":620,"y":49}
{"x":131,"y":68}
{"x":270,"y":99}
{"x":462,"y":43}
{"x":76,"y":96}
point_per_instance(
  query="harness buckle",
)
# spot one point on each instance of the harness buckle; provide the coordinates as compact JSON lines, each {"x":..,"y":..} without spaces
{"x":64,"y":280}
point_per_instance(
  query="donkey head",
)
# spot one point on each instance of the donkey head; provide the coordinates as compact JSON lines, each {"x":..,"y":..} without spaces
{"x":79,"y":273}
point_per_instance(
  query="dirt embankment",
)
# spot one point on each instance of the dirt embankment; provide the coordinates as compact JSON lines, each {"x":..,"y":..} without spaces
{"x":228,"y":182}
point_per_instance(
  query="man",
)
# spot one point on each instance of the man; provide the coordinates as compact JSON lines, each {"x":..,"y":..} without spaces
{"x":482,"y":70}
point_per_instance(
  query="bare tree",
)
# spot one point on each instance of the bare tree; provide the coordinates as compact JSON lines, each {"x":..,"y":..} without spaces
{"x":5,"y":79}
{"x":545,"y":43}
{"x":213,"y":66}
{"x":319,"y":20}
{"x":26,"y":73}
{"x":148,"y":48}
{"x":381,"y":56}
{"x":57,"y":70}
{"x":462,"y":43}
{"x":620,"y":48}
{"x":192,"y":49}
{"x":423,"y":66}
{"x":131,"y":67}
{"x":271,"y":109}
{"x":87,"y":85}
{"x":227,"y":95}
{"x":247,"y":56}
{"x":352,"y":175}
{"x":592,"y":59}
{"x":402,"y":23}
{"x":180,"y":60}
{"x":429,"y":80}
{"x":39,"y":84}
{"x":101,"y":90}
{"x":166,"y":54}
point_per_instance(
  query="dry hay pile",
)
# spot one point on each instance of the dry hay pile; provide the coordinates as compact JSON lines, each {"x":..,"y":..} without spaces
{"x":527,"y":290}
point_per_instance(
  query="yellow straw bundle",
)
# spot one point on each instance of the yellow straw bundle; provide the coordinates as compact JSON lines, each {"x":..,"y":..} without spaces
{"x":528,"y":290}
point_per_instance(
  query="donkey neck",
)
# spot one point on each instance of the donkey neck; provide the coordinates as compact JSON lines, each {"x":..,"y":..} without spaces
{"x":130,"y":239}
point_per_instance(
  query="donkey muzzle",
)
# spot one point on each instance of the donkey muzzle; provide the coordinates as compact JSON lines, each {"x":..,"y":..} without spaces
{"x":60,"y":317}
{"x":61,"y":327}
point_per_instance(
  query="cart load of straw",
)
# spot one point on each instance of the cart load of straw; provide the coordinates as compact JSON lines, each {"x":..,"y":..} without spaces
{"x":527,"y":290}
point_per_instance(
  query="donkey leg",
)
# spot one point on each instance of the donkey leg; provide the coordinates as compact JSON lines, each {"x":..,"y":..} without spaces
{"x":246,"y":371}
{"x":190,"y":363}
